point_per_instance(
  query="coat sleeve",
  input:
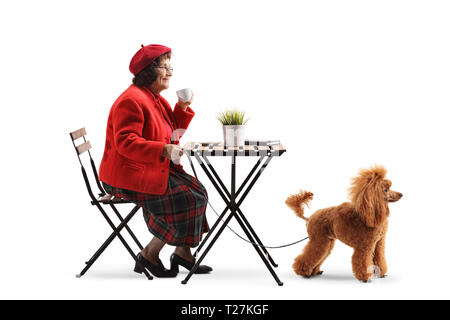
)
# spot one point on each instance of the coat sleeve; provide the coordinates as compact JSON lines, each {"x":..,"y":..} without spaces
{"x":182,"y":117}
{"x":128,"y":122}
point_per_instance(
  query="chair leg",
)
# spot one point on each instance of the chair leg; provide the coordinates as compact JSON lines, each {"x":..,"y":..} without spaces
{"x":127,"y":227}
{"x":116,"y":233}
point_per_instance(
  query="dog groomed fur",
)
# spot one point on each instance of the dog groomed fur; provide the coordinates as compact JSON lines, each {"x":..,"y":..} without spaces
{"x":361,"y":224}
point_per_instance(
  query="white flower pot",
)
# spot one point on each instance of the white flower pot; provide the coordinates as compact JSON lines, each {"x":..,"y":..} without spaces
{"x":233,"y":136}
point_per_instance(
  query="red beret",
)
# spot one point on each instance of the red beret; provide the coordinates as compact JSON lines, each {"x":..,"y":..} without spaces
{"x":145,"y":56}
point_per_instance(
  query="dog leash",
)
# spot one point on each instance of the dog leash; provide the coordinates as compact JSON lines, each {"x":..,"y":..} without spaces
{"x":257,"y":244}
{"x":268,"y":247}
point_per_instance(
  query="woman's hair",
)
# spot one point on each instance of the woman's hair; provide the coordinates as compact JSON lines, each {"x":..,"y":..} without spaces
{"x":149,"y":74}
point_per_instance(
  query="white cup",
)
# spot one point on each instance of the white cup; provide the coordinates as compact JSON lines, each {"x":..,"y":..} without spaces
{"x":184,"y":94}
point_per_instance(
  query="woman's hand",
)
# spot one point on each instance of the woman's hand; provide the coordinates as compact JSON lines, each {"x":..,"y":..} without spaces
{"x":172,"y":152}
{"x":183,"y":104}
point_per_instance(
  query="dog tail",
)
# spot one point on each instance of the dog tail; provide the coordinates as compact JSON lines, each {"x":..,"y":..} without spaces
{"x":297,"y":201}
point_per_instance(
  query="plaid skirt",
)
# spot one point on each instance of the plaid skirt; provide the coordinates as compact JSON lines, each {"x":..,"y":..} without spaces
{"x":178,"y":216}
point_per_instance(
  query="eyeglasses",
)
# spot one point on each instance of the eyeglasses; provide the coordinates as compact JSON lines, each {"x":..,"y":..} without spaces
{"x":169,"y":68}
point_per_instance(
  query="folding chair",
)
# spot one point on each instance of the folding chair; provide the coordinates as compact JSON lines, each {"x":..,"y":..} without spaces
{"x":104,"y":199}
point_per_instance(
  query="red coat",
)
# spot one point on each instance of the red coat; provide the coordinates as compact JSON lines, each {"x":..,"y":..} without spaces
{"x":135,"y":136}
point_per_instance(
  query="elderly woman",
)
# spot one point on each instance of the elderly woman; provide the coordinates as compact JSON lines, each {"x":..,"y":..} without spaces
{"x":141,"y":163}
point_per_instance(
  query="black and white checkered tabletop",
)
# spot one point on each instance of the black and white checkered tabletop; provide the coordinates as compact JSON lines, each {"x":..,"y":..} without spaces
{"x":249,"y":149}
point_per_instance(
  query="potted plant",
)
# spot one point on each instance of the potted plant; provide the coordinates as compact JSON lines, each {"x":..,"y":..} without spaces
{"x":233,"y":127}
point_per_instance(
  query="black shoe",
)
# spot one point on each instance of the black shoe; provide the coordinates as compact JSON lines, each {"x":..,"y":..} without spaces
{"x":158,"y":271}
{"x":176,"y":260}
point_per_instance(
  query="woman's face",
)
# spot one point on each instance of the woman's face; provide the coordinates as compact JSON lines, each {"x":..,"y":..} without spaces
{"x":162,"y":81}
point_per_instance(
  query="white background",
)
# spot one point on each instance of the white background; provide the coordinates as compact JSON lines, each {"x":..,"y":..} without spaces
{"x":343,"y":85}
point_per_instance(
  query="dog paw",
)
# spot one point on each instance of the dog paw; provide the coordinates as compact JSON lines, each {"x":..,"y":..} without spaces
{"x":364,"y":278}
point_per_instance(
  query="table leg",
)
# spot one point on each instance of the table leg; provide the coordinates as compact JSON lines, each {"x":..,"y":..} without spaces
{"x":208,"y":174}
{"x":257,"y":248}
{"x":211,"y":168}
{"x":197,"y":263}
{"x":231,"y":204}
{"x":253,"y":233}
{"x":210,"y":232}
{"x":233,"y":213}
{"x":239,"y":211}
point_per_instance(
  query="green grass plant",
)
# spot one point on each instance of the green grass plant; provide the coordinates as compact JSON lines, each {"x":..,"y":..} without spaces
{"x":232,"y":118}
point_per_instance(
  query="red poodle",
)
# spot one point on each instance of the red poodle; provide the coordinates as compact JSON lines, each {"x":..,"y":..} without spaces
{"x":361,"y":224}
